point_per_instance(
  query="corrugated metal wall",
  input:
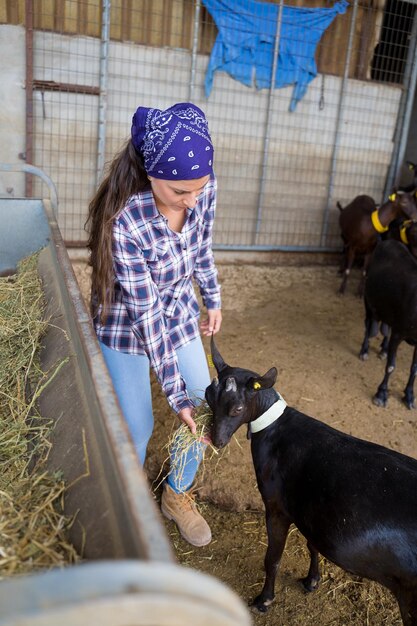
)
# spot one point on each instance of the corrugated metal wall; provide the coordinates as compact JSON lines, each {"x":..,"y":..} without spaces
{"x":171,"y":23}
{"x":280,"y":172}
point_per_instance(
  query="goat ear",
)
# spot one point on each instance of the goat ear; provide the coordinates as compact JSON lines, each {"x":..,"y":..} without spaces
{"x":266,"y":381}
{"x":218,"y":362}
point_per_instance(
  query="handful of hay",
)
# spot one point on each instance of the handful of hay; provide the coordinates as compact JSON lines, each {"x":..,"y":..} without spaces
{"x":32,"y":525}
{"x":183,"y":445}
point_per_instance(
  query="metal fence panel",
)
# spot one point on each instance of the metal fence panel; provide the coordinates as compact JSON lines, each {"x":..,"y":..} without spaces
{"x":280,"y":172}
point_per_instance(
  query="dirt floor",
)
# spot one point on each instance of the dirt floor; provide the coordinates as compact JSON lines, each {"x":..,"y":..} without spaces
{"x":291,"y":318}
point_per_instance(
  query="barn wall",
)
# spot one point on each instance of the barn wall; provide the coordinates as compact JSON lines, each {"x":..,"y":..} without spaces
{"x":295,"y":188}
{"x":170,"y":23}
{"x":12,"y":105}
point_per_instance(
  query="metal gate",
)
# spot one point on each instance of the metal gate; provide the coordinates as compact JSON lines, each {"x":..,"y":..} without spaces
{"x":308,"y":103}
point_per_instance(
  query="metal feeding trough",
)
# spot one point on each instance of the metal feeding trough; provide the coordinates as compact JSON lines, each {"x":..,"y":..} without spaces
{"x":130,"y":576}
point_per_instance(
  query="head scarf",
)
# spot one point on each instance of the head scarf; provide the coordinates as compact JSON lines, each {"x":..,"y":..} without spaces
{"x":175,"y":143}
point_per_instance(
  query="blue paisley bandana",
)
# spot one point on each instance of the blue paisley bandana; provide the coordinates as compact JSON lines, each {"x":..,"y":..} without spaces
{"x":175,"y":143}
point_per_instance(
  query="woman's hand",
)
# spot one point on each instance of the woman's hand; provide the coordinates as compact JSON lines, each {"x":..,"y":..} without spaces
{"x":186,"y":416}
{"x":212,"y":323}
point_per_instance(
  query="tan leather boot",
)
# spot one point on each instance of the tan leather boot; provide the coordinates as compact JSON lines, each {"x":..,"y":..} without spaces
{"x":181,"y":508}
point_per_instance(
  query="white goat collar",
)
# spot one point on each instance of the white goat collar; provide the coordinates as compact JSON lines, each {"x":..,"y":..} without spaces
{"x":273,"y":413}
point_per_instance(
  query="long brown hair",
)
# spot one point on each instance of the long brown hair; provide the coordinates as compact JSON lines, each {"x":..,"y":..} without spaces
{"x":126,"y":176}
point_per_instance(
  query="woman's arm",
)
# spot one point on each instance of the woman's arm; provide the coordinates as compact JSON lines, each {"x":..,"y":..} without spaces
{"x":146,"y":315}
{"x":205,"y":271}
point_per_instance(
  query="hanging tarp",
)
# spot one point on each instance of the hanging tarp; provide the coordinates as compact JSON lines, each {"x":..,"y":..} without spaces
{"x":244,"y":47}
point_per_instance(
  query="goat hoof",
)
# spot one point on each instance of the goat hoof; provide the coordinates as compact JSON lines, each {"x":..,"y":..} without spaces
{"x":260,"y":606}
{"x":310,"y":584}
{"x":382,"y":355}
{"x":410,"y":404}
{"x":363,"y":356}
{"x":379,"y":401}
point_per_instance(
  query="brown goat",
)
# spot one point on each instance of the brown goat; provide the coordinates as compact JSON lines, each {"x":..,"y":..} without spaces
{"x":362,"y":224}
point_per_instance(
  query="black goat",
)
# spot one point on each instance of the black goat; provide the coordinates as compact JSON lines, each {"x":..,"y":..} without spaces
{"x":412,"y":167}
{"x":405,"y":231}
{"x":391,"y":297}
{"x":353,"y":500}
{"x":362,"y":223}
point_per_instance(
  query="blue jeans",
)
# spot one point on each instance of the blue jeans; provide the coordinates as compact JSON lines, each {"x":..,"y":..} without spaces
{"x":131,"y":381}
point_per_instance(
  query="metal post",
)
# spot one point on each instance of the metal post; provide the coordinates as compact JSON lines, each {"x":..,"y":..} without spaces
{"x":268,"y":123}
{"x":194,"y":51}
{"x":29,"y":93}
{"x":339,"y":125}
{"x":404,"y":112}
{"x":102,"y":105}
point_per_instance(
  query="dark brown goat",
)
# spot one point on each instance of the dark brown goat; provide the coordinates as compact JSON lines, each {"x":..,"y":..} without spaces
{"x":362,"y":223}
{"x":353,"y":500}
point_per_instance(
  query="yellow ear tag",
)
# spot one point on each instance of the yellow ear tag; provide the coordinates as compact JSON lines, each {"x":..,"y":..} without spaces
{"x":392,"y":197}
{"x":210,"y":360}
{"x":411,"y":167}
{"x":257,"y":386}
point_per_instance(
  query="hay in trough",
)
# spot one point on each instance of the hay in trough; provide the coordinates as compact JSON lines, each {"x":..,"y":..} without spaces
{"x":32,"y":523}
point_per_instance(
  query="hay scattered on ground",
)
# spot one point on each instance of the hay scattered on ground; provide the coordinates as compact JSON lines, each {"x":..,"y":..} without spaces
{"x":32,"y":524}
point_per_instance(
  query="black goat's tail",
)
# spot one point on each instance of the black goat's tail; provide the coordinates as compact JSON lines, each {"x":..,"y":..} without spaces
{"x":339,"y":206}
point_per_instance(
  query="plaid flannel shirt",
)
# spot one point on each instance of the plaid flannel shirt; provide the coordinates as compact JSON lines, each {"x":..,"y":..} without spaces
{"x":155,"y":309}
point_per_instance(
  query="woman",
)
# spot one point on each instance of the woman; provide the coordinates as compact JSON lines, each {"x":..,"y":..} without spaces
{"x":150,"y":226}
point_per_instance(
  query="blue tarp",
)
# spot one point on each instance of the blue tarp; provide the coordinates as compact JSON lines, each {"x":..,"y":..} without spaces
{"x":245,"y":43}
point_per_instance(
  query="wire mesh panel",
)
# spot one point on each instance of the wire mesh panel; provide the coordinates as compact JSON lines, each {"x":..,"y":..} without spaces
{"x":308,"y":102}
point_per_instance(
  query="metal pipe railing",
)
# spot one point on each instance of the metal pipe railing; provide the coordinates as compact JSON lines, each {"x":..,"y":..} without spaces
{"x":102,"y":103}
{"x":31,"y":169}
{"x":194,"y":51}
{"x":268,"y":123}
{"x":339,"y":126}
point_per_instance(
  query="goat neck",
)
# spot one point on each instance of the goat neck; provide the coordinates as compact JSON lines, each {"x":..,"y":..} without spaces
{"x":267,"y":416}
{"x":262,"y":402}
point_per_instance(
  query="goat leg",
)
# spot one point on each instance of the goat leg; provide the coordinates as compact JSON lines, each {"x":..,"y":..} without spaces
{"x":385,"y":330}
{"x":381,"y":396}
{"x":350,"y":257}
{"x":407,"y":601}
{"x":342,"y":265}
{"x":408,"y":398}
{"x":277,"y":526}
{"x":311,"y":582}
{"x":371,"y":329}
{"x":361,"y":286}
